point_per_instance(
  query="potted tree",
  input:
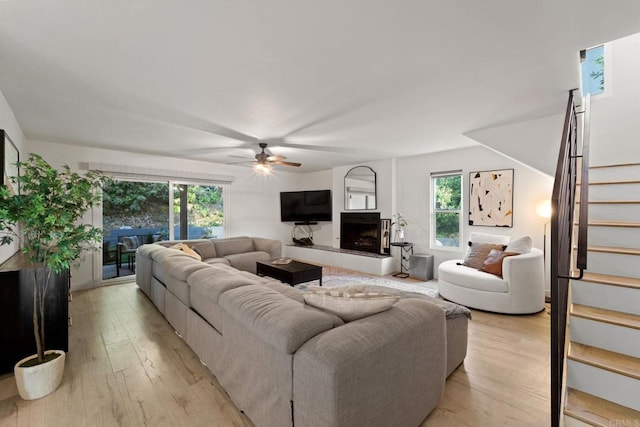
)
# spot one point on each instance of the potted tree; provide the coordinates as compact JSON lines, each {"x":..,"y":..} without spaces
{"x":44,"y":217}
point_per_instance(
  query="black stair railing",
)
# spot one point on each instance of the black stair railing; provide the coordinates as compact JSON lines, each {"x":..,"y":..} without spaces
{"x":563,"y":204}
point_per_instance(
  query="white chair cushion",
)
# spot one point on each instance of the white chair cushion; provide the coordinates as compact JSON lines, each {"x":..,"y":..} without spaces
{"x":522,"y":245}
{"x":496,"y":239}
{"x":471,"y":278}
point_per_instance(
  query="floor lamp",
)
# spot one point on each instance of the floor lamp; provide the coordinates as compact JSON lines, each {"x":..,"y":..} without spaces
{"x":543,"y":209}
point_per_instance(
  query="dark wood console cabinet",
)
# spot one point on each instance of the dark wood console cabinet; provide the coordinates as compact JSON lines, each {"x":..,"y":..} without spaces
{"x":16,"y":312}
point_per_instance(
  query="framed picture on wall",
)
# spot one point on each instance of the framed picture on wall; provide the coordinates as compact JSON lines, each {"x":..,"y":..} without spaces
{"x":491,"y":198}
{"x":9,"y":156}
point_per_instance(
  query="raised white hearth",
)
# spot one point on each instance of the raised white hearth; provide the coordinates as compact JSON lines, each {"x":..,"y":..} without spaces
{"x":378,"y":265}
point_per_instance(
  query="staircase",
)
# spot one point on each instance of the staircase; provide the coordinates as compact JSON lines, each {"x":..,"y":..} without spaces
{"x":603,"y":361}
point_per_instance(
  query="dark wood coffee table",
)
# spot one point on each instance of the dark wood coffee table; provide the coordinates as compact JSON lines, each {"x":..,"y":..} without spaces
{"x":293,"y":273}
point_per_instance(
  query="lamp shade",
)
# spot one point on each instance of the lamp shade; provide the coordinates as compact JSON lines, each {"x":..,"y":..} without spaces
{"x":543,"y":209}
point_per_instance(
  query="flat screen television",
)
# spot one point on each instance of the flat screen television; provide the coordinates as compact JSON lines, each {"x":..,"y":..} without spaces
{"x":305,"y":206}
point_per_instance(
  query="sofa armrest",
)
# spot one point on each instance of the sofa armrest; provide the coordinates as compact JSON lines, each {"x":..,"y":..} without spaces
{"x":271,"y":246}
{"x":385,"y":369}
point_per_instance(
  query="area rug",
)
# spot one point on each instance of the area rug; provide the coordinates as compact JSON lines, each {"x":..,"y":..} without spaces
{"x":334,"y":281}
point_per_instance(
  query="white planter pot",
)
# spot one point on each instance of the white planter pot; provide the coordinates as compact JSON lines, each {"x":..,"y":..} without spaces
{"x":37,"y":381}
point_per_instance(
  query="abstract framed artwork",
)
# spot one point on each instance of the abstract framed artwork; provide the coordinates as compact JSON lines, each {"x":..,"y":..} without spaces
{"x":9,"y":158}
{"x":491,"y":198}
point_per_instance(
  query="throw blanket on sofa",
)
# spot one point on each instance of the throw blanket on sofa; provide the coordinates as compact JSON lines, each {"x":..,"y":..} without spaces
{"x":451,"y":309}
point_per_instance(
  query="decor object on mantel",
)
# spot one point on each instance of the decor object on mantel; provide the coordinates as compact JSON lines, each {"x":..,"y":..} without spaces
{"x":44,"y":218}
{"x":401,"y":223}
{"x":491,"y":198}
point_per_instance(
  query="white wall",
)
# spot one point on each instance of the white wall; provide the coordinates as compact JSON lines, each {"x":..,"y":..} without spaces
{"x":10,"y":125}
{"x":614,"y":119}
{"x":252,"y":202}
{"x":413,"y":196}
{"x":535,"y":143}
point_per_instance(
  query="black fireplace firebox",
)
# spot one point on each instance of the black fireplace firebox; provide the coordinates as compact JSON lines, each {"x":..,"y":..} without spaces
{"x":365,"y":232}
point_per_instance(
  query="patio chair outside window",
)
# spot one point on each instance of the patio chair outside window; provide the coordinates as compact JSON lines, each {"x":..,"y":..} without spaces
{"x":127,"y":246}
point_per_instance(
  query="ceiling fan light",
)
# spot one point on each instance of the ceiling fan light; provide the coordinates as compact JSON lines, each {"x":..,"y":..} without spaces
{"x":262,"y":168}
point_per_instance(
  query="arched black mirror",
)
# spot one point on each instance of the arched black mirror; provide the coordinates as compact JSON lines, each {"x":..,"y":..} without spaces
{"x":360,"y":189}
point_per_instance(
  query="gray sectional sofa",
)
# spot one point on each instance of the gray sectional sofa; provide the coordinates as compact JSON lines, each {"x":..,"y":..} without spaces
{"x":285,"y":363}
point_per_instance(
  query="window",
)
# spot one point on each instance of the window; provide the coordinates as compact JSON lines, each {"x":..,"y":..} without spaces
{"x":198,"y":211}
{"x":446,"y":209}
{"x":594,"y":76}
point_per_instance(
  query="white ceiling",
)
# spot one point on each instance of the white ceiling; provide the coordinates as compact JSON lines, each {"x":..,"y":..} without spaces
{"x":326,"y":83}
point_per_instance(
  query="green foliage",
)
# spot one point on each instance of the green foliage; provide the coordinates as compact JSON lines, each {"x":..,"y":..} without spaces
{"x":448,"y":192}
{"x":204,"y":204}
{"x":448,"y":196}
{"x":129,"y":197}
{"x":599,"y":74}
{"x":44,"y":217}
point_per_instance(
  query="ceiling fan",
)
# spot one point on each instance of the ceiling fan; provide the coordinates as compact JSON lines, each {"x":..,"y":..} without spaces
{"x":263,"y":161}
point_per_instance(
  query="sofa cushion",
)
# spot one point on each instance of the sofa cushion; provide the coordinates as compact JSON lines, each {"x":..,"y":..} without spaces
{"x":247,"y":261}
{"x":471,"y":278}
{"x":206,"y":286}
{"x":522,"y":245}
{"x":205,"y":249}
{"x":286,"y":290}
{"x":493,"y":263}
{"x":233,"y":245}
{"x":216,"y":261}
{"x":478,"y":253}
{"x":349,"y":305}
{"x":178,"y":269}
{"x":283,"y":323}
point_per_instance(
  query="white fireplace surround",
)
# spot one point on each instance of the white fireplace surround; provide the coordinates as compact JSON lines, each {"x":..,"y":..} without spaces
{"x":378,"y":265}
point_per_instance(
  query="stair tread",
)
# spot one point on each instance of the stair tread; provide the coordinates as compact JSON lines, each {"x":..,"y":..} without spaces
{"x":613,"y":250}
{"x":614,"y":182}
{"x":613,"y":165}
{"x":615,"y":362}
{"x":600,"y":223}
{"x":607,"y":279}
{"x":607,"y":316}
{"x":596,"y":411}
{"x":612,"y":202}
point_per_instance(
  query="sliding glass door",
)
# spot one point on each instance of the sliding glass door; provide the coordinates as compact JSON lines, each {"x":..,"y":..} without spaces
{"x":133,"y":213}
{"x":137,"y":212}
{"x":198,"y":211}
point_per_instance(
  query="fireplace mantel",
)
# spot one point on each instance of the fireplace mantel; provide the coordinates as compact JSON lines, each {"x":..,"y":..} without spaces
{"x":374,"y":264}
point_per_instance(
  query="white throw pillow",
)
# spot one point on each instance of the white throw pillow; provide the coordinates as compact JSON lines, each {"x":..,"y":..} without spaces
{"x":522,"y":245}
{"x":349,"y":306}
{"x":496,"y":239}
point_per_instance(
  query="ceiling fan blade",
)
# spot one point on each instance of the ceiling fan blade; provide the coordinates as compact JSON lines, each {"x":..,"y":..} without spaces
{"x":276,"y":158}
{"x":294,"y":164}
{"x":249,"y":159}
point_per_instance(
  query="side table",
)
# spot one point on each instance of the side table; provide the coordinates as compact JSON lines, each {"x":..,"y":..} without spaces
{"x":406,"y":250}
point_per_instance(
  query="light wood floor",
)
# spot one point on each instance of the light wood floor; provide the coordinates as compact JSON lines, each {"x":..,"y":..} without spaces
{"x":126,"y":367}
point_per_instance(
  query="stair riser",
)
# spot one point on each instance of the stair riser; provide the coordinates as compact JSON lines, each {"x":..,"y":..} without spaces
{"x":614,"y":264}
{"x":616,"y":237}
{"x":614,"y":192}
{"x":572,"y":422}
{"x":617,"y":298}
{"x":606,"y":336}
{"x":620,"y":213}
{"x":604,"y":384}
{"x":614,"y":174}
